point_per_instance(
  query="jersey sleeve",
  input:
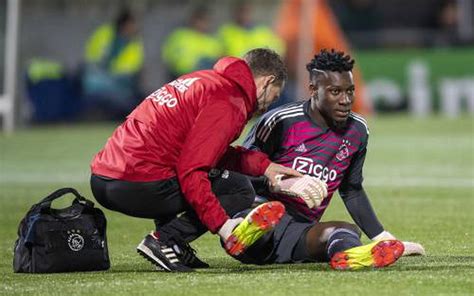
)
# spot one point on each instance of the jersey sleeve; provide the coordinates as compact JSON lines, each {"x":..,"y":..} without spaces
{"x":245,"y":161}
{"x":265,"y":136}
{"x":353,"y":194}
{"x":354,"y":176}
{"x":358,"y":205}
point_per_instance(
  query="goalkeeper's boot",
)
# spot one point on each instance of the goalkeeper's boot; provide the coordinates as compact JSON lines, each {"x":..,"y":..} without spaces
{"x":377,"y":254}
{"x":161,"y":255}
{"x":259,"y":221}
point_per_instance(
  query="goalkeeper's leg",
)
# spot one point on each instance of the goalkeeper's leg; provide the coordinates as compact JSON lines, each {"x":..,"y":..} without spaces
{"x":339,"y":243}
{"x":316,"y":241}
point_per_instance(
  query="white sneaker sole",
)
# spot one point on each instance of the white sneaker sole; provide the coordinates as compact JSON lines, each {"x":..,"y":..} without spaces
{"x":148,"y":255}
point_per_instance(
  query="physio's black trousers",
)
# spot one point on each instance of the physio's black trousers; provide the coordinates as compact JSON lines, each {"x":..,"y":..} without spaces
{"x":163,"y":201}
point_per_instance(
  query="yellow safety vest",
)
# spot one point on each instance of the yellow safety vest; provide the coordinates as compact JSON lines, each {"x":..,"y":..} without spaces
{"x":130,"y":59}
{"x":237,"y":40}
{"x":40,"y":69}
{"x":185,"y":48}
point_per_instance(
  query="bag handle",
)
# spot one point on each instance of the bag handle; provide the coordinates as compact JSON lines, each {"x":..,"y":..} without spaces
{"x":45,"y":203}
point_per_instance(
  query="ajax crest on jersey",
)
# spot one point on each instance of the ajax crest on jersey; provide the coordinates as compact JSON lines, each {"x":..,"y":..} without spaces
{"x":343,"y":150}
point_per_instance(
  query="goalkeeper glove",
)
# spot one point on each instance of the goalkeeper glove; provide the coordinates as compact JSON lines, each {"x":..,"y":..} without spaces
{"x":411,"y":248}
{"x":310,"y":189}
{"x":384,"y":235}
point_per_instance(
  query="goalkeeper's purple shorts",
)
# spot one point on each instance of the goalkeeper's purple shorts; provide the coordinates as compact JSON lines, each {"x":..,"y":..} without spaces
{"x":284,"y":244}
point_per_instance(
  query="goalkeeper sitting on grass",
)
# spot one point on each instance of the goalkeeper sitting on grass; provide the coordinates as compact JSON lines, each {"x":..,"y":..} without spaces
{"x":324,"y":140}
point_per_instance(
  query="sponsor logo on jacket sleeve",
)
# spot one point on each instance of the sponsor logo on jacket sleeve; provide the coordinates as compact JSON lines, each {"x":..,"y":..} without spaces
{"x":164,"y":98}
{"x":182,"y":85}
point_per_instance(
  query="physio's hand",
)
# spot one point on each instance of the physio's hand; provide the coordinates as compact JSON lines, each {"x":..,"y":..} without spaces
{"x":226,"y":229}
{"x":312,"y":190}
{"x":275,"y":170}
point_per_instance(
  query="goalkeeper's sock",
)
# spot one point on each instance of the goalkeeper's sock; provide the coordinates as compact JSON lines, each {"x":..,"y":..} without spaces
{"x":340,"y":240}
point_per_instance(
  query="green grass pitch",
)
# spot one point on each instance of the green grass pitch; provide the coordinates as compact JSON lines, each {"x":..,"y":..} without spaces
{"x":419,"y":175}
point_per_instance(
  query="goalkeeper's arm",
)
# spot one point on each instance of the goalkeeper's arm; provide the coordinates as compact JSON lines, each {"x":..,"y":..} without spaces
{"x":358,"y":206}
{"x":361,"y":211}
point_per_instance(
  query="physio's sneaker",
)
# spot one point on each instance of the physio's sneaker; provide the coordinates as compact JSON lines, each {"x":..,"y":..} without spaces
{"x":258,"y":222}
{"x":377,"y":254}
{"x":161,"y":255}
{"x":187,"y":255}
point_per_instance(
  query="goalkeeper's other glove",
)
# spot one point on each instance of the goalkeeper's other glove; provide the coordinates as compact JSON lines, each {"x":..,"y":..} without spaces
{"x":411,"y":248}
{"x":310,"y":189}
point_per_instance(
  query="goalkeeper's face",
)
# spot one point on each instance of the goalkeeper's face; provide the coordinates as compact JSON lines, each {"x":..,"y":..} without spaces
{"x":333,"y":95}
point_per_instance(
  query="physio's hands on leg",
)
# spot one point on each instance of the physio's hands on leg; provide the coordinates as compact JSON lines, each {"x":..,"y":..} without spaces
{"x":239,"y":234}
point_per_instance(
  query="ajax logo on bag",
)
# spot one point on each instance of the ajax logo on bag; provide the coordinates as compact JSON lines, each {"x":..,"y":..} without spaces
{"x":75,"y":240}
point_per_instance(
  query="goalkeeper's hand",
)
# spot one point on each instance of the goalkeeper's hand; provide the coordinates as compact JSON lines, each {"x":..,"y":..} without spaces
{"x":411,"y":248}
{"x":310,"y":189}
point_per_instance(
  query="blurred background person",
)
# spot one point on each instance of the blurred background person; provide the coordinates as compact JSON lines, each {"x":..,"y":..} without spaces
{"x":395,"y":45}
{"x":191,"y":47}
{"x":447,"y":21}
{"x":307,"y":27}
{"x":242,"y":34}
{"x":356,"y":15}
{"x":53,"y":91}
{"x":113,"y":60}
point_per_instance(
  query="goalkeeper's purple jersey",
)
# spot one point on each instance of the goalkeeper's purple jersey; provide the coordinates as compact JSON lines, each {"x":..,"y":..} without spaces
{"x":291,"y":138}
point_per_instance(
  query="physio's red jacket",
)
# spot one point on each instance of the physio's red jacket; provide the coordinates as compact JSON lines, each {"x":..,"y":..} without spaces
{"x":184,"y":129}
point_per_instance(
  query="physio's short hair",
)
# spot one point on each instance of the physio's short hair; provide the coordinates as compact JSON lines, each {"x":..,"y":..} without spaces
{"x":325,"y":60}
{"x":265,"y":62}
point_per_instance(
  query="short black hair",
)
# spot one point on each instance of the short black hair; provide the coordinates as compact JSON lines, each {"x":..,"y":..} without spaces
{"x":264,"y":62}
{"x":325,"y":60}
